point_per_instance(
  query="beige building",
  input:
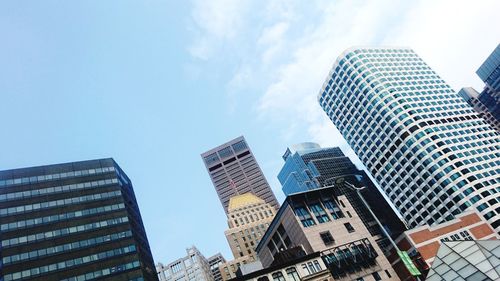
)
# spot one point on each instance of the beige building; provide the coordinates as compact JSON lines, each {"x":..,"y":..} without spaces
{"x":320,"y":221}
{"x":248,"y":219}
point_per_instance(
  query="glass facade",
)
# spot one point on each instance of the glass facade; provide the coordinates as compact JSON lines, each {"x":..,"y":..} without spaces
{"x":466,"y":260}
{"x":74,"y":221}
{"x":433,"y":156}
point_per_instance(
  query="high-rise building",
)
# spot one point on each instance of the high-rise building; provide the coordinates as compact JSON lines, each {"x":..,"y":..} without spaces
{"x":215,"y":262}
{"x":308,"y":166}
{"x":487,"y":103}
{"x":320,"y":221}
{"x":194,"y":266}
{"x":74,"y":221}
{"x":248,"y":218}
{"x":429,"y":151}
{"x":234,"y":170}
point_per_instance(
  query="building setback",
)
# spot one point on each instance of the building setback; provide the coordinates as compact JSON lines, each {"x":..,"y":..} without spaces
{"x":429,"y":151}
{"x":74,"y":221}
{"x":234,"y":170}
{"x":194,"y":266}
{"x":308,"y":166}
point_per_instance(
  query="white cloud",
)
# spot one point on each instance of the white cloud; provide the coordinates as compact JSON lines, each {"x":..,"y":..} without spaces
{"x":297,"y":43}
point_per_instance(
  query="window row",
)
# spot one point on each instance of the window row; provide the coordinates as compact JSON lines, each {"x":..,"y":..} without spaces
{"x":105,"y":272}
{"x":59,"y":217}
{"x":58,"y":203}
{"x":61,"y":232}
{"x":55,"y":189}
{"x":35,"y":271}
{"x":57,"y":176}
{"x":36,"y":254}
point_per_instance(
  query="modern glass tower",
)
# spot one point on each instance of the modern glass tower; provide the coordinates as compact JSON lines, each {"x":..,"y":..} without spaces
{"x":234,"y":171}
{"x":74,"y":221}
{"x":429,"y":151}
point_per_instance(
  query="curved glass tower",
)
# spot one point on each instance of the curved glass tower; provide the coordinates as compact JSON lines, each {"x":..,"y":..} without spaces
{"x":428,"y":149}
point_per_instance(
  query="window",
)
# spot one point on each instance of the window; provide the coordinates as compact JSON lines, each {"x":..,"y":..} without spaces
{"x":376,"y":276}
{"x":278,"y":276}
{"x":292,"y":274}
{"x":388,"y":274}
{"x":349,"y":227}
{"x":327,"y":238}
{"x":263,"y":278}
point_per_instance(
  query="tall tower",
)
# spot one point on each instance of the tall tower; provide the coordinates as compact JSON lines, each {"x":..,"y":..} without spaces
{"x":234,"y":171}
{"x":429,"y":151}
{"x":74,"y":221}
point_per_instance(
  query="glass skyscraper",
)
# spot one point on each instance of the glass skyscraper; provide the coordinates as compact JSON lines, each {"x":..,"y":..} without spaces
{"x":74,"y":221}
{"x":234,"y":171}
{"x":429,"y":151}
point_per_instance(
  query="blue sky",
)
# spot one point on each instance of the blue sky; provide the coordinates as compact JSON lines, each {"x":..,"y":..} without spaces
{"x":154,"y":84}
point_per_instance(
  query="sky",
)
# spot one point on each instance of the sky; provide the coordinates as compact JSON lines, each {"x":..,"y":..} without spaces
{"x":154,"y":84}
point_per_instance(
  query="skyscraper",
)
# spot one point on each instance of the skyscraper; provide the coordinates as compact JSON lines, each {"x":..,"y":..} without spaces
{"x":487,"y":103}
{"x":429,"y":151}
{"x":308,"y":166}
{"x":74,"y":221}
{"x":214,"y":262}
{"x":234,"y":170}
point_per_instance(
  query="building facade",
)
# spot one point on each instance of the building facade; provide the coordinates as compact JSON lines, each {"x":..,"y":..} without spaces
{"x":233,"y":170}
{"x":194,"y":266}
{"x":432,"y":155}
{"x":248,"y":219}
{"x":215,"y":262}
{"x":308,"y":166}
{"x":74,"y":221}
{"x":319,"y":221}
{"x":293,"y":268}
{"x":471,"y":96}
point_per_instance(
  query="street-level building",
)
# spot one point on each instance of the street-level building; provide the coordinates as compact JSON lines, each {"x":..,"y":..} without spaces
{"x":194,"y":266}
{"x":321,"y":221}
{"x":233,"y":170}
{"x":73,"y":221}
{"x":429,"y":151}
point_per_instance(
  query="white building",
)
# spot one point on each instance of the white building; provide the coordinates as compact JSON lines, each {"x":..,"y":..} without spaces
{"x":431,"y":153}
{"x":194,"y":267}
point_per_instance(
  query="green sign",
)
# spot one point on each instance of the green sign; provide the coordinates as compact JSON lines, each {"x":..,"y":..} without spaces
{"x":409,"y":263}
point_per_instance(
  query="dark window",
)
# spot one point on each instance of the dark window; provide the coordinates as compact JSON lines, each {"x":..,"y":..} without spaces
{"x":349,"y":227}
{"x":388,"y":274}
{"x":327,"y":238}
{"x":376,"y":276}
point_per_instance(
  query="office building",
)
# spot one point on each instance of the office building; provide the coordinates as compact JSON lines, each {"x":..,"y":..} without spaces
{"x":308,"y":166}
{"x":215,"y":262}
{"x":487,"y":103}
{"x":466,"y":260}
{"x":293,"y":265}
{"x":248,"y":219}
{"x":74,"y":221}
{"x":424,"y":241}
{"x":432,"y":155}
{"x":194,"y":266}
{"x":234,"y":170}
{"x":321,"y":221}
